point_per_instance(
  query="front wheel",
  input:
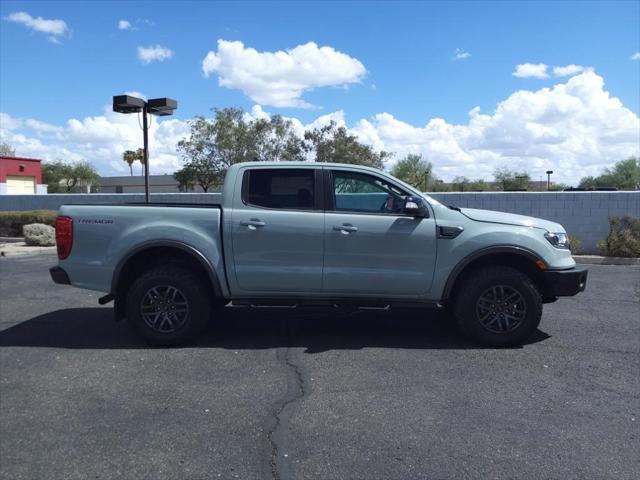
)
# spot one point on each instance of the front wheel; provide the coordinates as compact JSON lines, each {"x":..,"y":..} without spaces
{"x":168,"y":305}
{"x":498,"y":306}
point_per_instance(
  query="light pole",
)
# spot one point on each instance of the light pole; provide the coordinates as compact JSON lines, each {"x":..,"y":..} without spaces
{"x":157,"y":106}
{"x":549,"y":172}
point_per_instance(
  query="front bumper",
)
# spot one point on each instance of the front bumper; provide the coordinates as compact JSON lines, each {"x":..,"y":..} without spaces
{"x":566,"y":283}
{"x":59,"y":275}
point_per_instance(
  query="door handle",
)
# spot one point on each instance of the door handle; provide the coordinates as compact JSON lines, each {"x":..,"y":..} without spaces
{"x":345,"y":229}
{"x":252,"y":224}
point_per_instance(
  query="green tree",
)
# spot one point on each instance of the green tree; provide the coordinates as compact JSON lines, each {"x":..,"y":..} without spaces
{"x":558,"y":187}
{"x":478,"y":186}
{"x":414,"y":170}
{"x":211,"y":148}
{"x":86,"y":176}
{"x":275,"y":140}
{"x":7,"y":150}
{"x":229,"y":138}
{"x":510,"y":179}
{"x":461,"y":183}
{"x":331,"y":143}
{"x":186,"y":178}
{"x":52,"y":175}
{"x":624,"y":175}
{"x":63,"y":176}
{"x":439,"y":186}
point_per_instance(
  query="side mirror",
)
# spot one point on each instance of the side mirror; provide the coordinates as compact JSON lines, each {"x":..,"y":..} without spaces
{"x":415,"y":206}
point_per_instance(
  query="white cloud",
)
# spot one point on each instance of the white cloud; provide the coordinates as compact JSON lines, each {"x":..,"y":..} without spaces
{"x":279,"y":79}
{"x":461,"y":54}
{"x":124,"y":25}
{"x":568,"y":70}
{"x":575,"y":128}
{"x":100,"y":140}
{"x":154,"y":53}
{"x":8,"y":123}
{"x":42,"y":127}
{"x":54,"y":28}
{"x":526,"y":70}
{"x":635,"y":56}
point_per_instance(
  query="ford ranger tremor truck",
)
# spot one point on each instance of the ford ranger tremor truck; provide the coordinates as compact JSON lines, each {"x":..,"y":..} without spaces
{"x":296,"y":233}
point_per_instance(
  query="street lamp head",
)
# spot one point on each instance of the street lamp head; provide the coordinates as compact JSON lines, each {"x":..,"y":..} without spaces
{"x":162,"y":106}
{"x":549,"y":172}
{"x":127,"y":104}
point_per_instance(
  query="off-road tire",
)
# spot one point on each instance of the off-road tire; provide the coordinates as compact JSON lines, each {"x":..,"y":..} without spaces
{"x":192,"y":289}
{"x":466,"y":301}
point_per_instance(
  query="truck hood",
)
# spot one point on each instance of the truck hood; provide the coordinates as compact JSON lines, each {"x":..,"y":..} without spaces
{"x":510,"y":219}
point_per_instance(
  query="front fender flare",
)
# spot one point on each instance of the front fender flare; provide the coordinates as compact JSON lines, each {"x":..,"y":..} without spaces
{"x":483,"y":252}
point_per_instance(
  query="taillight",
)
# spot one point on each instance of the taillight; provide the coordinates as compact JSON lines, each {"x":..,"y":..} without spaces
{"x":64,"y":236}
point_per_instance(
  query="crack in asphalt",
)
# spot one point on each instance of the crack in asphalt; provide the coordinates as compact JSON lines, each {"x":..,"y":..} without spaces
{"x":297,"y":390}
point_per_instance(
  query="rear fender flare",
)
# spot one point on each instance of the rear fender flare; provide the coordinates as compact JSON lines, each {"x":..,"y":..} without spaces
{"x":194,"y":252}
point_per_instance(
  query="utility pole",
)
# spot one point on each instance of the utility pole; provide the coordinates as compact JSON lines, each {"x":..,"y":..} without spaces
{"x":145,"y":136}
{"x":157,"y":106}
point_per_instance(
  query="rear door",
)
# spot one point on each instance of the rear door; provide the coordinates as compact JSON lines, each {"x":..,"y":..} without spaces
{"x":277,"y":230}
{"x":371,"y":247}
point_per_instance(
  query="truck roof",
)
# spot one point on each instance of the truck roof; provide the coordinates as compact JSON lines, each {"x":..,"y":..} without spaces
{"x":302,"y":164}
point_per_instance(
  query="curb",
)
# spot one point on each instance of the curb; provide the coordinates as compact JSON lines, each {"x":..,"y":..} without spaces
{"x":599,"y":260}
{"x":14,"y":249}
{"x":11,"y":239}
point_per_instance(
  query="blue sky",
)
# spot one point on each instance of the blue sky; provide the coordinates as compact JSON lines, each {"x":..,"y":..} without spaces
{"x":407,"y":51}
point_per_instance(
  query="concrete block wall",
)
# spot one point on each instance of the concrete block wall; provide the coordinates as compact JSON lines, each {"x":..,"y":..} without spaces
{"x":583,"y":214}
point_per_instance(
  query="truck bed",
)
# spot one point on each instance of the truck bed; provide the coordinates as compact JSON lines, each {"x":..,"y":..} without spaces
{"x":106,"y":235}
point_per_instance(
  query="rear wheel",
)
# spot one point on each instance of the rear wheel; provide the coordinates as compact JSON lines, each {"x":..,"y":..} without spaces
{"x":498,"y":306}
{"x":168,"y":305}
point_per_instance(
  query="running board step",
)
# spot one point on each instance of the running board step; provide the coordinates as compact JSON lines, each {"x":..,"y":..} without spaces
{"x":385,"y":308}
{"x":241,"y":303}
{"x":257,"y":305}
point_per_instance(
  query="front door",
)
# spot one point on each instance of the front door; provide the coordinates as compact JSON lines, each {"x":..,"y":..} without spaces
{"x":277,"y":231}
{"x":371,"y":247}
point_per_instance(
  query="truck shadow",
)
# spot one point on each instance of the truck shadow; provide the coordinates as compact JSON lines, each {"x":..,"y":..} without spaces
{"x":238,"y":328}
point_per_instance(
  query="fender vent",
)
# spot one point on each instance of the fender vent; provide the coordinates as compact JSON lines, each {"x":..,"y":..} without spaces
{"x":449,"y":232}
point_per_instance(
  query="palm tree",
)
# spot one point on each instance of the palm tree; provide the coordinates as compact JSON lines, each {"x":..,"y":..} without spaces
{"x":139,"y":155}
{"x":129,"y":156}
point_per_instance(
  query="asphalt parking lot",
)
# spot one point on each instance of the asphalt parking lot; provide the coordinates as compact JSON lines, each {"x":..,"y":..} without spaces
{"x":313,"y":394}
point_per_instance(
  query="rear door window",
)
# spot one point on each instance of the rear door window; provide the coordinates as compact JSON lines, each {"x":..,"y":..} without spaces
{"x":287,"y":189}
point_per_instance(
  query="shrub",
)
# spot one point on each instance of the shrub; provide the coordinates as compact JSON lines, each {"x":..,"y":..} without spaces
{"x":624,"y":237}
{"x":39,"y":235}
{"x":11,"y":223}
{"x":576,"y":244}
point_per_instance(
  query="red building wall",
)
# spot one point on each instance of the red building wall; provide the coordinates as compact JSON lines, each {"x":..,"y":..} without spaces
{"x":20,"y":167}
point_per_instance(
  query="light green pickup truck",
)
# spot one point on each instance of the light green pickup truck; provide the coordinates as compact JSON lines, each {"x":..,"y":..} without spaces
{"x":289,"y":234}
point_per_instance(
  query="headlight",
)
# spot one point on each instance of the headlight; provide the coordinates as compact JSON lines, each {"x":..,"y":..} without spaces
{"x":558,"y":240}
